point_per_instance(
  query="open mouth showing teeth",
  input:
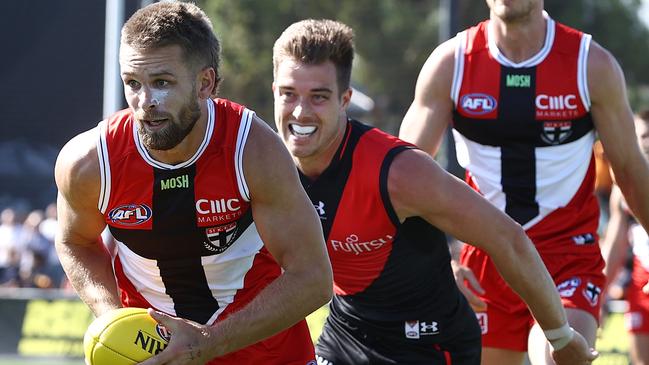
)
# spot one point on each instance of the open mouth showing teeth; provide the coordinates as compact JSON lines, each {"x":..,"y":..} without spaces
{"x":302,"y":130}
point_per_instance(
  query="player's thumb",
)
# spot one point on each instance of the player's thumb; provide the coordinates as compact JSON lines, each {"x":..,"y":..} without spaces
{"x":162,"y":318}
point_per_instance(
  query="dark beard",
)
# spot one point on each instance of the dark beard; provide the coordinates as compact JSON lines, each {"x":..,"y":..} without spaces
{"x":174,"y":132}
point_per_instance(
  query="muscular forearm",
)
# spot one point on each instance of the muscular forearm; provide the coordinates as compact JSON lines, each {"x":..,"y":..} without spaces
{"x":524,"y":271}
{"x":91,"y":274}
{"x":634,"y":187}
{"x":287,"y":300}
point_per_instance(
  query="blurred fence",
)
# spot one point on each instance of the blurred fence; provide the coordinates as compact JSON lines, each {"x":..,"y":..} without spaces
{"x":42,"y":323}
{"x":46,"y":326}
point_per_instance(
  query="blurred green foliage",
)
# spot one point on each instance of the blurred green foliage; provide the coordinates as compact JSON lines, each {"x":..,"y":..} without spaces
{"x":393,"y":39}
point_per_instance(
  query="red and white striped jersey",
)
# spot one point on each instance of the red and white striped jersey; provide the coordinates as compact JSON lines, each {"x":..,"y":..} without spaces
{"x":186,"y":241}
{"x":524,"y":132}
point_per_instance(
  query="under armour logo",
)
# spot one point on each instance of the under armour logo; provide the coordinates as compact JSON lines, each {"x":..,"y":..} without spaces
{"x":429,"y":328}
{"x":320,"y":209}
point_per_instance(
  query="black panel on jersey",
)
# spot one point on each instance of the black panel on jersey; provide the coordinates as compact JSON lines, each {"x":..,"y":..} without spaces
{"x":176,"y":216}
{"x":518,"y":161}
{"x":330,"y":184}
{"x":177,"y":244}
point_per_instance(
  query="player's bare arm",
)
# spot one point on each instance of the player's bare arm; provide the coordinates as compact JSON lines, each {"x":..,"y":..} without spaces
{"x":83,"y":256}
{"x":616,"y":238}
{"x":614,"y":123}
{"x":291,"y":231}
{"x":424,"y":124}
{"x":419,"y":187}
{"x":431,"y":110}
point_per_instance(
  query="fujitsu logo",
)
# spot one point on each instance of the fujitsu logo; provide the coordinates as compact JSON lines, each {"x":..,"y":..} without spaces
{"x":353,"y":244}
{"x":207,"y":206}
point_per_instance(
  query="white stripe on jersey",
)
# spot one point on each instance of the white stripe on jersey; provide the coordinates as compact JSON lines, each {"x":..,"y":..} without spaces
{"x":224,"y":272}
{"x":242,"y":137}
{"x":458,"y":72}
{"x":104,"y":167}
{"x":560,"y":171}
{"x":582,"y":70}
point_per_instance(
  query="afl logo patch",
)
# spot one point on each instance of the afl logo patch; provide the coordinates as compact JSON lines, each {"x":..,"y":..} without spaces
{"x":130,"y":214}
{"x":478,"y":103}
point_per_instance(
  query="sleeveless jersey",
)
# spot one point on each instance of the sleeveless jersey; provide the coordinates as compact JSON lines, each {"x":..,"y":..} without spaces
{"x":186,"y":242}
{"x":524,"y":133}
{"x":384,"y":270}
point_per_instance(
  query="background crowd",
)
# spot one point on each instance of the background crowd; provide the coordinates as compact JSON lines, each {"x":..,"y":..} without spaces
{"x":27,"y":255}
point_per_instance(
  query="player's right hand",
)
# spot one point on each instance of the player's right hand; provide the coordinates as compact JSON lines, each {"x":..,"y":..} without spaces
{"x":188,"y":345}
{"x":576,"y":352}
{"x":469,"y":286}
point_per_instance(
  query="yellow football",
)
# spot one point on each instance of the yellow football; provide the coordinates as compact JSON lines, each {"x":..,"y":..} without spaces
{"x":124,"y":336}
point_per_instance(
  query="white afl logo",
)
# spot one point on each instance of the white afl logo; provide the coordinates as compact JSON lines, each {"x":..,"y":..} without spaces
{"x":478,"y":103}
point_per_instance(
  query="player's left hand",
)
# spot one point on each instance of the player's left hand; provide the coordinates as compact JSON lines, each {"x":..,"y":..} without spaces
{"x":575,"y":352}
{"x":188,"y":345}
{"x":467,"y":283}
{"x":645,"y":288}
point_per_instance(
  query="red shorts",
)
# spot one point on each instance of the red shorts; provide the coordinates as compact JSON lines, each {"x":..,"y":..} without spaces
{"x":507,"y":321}
{"x":290,"y":347}
{"x":637,"y":317}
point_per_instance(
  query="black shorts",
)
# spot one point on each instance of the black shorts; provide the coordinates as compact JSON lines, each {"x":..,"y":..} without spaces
{"x":347,"y":342}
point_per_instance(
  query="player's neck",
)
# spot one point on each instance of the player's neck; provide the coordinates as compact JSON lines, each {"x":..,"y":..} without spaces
{"x":519,"y":41}
{"x":188,"y":147}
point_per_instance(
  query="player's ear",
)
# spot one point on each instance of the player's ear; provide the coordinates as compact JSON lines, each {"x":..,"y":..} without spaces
{"x":206,"y":82}
{"x":345,"y":98}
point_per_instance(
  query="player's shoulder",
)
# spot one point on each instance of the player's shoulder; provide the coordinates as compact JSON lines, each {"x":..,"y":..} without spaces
{"x":266,"y":161}
{"x":600,"y":59}
{"x":436,"y":74}
{"x":443,"y":56}
{"x":78,"y":162}
{"x":604,"y":73}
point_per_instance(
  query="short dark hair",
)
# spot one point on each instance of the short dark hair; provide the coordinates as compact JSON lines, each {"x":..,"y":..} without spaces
{"x":176,"y":23}
{"x":316,"y":41}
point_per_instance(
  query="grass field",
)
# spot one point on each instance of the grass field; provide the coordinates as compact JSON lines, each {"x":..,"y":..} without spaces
{"x":612,"y":343}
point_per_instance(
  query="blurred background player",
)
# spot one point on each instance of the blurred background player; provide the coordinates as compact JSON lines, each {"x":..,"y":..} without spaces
{"x":624,"y":231}
{"x":525,"y":96}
